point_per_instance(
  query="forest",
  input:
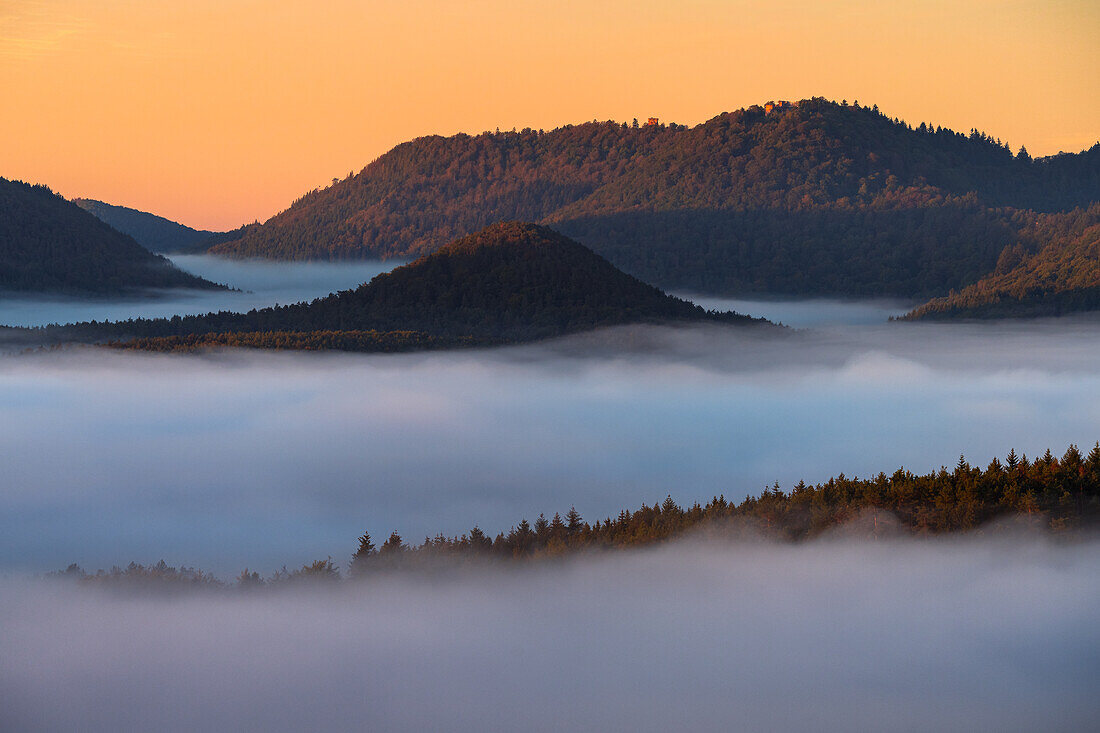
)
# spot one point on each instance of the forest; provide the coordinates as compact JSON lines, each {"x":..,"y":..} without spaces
{"x":48,"y":244}
{"x":823,"y":198}
{"x":154,"y":233}
{"x":1060,"y":494}
{"x":360,"y":341}
{"x":509,"y":282}
{"x":1053,"y":269}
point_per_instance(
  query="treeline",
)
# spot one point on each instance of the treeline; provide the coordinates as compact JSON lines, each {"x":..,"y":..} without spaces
{"x":1052,"y":269}
{"x":364,"y":341}
{"x":1061,"y":493}
{"x":741,"y":203}
{"x":48,"y":244}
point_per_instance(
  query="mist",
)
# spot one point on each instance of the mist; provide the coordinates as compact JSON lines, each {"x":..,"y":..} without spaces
{"x":809,"y":312}
{"x":258,"y":283}
{"x":262,"y":459}
{"x":993,"y":633}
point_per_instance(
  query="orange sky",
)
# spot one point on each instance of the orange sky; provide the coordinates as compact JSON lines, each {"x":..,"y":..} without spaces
{"x":215,"y":113}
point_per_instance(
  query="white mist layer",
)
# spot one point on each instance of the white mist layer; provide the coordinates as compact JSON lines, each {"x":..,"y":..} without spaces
{"x":262,"y":459}
{"x":966,"y":635}
{"x":810,"y":312}
{"x":260,"y":284}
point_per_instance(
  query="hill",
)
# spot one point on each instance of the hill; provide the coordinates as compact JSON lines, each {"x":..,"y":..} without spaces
{"x":510,"y":282}
{"x":1054,"y":269}
{"x":48,"y":244}
{"x":817,"y":198}
{"x":154,"y":233}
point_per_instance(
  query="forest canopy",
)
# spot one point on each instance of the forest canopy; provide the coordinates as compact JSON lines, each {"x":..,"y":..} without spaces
{"x":818,"y":198}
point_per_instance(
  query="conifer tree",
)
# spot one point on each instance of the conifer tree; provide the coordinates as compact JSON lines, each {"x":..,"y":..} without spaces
{"x":392,"y":546}
{"x":573,"y":521}
{"x":362,"y":554}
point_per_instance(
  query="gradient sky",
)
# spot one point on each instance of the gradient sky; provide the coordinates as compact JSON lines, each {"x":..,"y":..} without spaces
{"x":219,"y":112}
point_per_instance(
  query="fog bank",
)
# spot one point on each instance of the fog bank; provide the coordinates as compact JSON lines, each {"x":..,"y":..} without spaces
{"x":809,"y":312}
{"x":263,"y":459}
{"x":994,"y":634}
{"x":260,"y":284}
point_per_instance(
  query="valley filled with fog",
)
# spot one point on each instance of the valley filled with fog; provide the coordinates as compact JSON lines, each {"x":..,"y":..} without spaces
{"x":256,"y":283}
{"x":959,"y":634}
{"x":260,"y":459}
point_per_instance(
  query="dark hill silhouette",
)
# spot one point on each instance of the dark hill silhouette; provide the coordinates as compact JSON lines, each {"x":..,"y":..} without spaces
{"x":509,"y":282}
{"x":153,"y":232}
{"x":742,"y":203}
{"x":48,"y":244}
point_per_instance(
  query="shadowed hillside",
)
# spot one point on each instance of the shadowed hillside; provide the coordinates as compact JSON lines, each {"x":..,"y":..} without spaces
{"x":50,"y":245}
{"x":153,"y":232}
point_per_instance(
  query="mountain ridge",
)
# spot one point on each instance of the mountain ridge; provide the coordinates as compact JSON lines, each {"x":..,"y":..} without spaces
{"x":729,"y":206}
{"x":155,"y":233}
{"x":50,"y":245}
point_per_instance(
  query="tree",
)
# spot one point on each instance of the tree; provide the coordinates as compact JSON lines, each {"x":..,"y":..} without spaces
{"x":392,"y":546}
{"x":573,"y":521}
{"x":1092,"y":463}
{"x":249,"y":579}
{"x":479,"y":541}
{"x":542,"y":528}
{"x":365,"y":551}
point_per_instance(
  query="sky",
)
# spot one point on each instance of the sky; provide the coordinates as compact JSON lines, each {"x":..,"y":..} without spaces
{"x":218,"y":113}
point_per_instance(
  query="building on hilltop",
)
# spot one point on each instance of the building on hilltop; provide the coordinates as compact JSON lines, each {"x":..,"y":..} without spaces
{"x":780,"y":106}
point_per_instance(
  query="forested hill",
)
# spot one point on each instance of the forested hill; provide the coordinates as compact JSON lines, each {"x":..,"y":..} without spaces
{"x":509,"y":282}
{"x":48,"y":244}
{"x":1053,"y":270}
{"x":817,"y":198}
{"x":153,"y":232}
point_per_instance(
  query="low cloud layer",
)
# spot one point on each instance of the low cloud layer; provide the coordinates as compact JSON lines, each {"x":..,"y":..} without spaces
{"x":260,"y":284}
{"x":264,"y":459}
{"x":993,"y":634}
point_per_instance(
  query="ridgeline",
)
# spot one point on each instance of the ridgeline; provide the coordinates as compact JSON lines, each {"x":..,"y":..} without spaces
{"x":50,"y":245}
{"x":812,"y":198}
{"x":154,"y":233}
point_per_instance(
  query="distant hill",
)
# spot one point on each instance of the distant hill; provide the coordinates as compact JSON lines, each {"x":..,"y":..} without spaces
{"x":50,"y":245}
{"x":817,"y":198}
{"x":1054,"y":269}
{"x":153,"y":232}
{"x":509,"y":282}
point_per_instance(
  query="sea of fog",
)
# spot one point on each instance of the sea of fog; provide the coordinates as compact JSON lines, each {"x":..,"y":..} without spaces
{"x":965,"y":634}
{"x":262,"y":459}
{"x":257,"y":284}
{"x":809,"y":312}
